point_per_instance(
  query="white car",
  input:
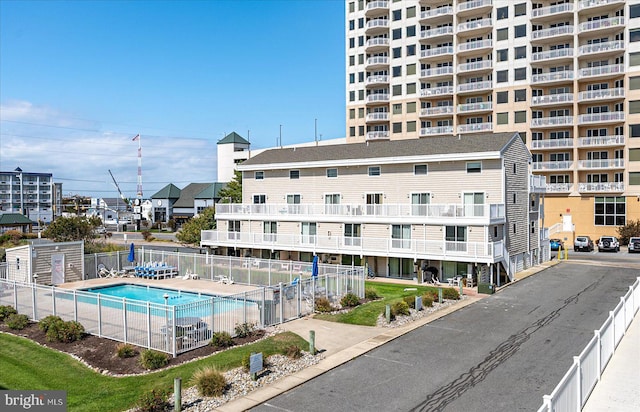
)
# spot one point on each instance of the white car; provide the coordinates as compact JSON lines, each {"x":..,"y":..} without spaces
{"x":609,"y":243}
{"x":634,"y":245}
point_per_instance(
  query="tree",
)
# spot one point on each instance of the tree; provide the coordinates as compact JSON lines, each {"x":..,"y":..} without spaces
{"x":232,"y":192}
{"x":73,"y":228}
{"x":190,"y":231}
{"x":631,"y":229}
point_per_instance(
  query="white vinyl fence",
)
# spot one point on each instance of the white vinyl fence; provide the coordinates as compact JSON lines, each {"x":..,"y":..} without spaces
{"x":574,"y":388}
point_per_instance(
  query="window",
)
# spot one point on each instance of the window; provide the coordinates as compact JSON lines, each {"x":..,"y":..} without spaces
{"x":396,"y":52}
{"x":360,"y":130}
{"x":259,"y":175}
{"x":502,"y":55}
{"x":634,"y":106}
{"x":610,"y":211}
{"x":634,"y":83}
{"x":352,"y":131}
{"x":411,"y":88}
{"x":396,"y":15}
{"x":374,"y":170}
{"x":233,"y":229}
{"x":634,"y":35}
{"x":352,"y":42}
{"x":396,"y":127}
{"x":411,"y":126}
{"x":396,"y":34}
{"x":411,"y":31}
{"x":332,"y":172}
{"x":352,"y":113}
{"x":502,"y":34}
{"x":396,"y":90}
{"x":411,"y":12}
{"x":419,"y":203}
{"x":520,"y":9}
{"x":308,"y":233}
{"x":520,"y":95}
{"x":420,"y":169}
{"x":520,"y":73}
{"x":352,"y":24}
{"x":503,"y":13}
{"x":352,"y":78}
{"x":270,"y":231}
{"x":634,"y":178}
{"x":455,"y":234}
{"x":397,"y":108}
{"x":294,"y":199}
{"x":634,"y":130}
{"x":634,"y":59}
{"x":259,"y":199}
{"x":634,"y":11}
{"x":474,"y":167}
{"x":520,"y":31}
{"x":294,"y":174}
{"x":352,"y":96}
{"x":352,"y":60}
{"x":634,"y":155}
{"x":352,"y":234}
{"x":411,"y":107}
{"x":520,"y":52}
{"x":352,"y":7}
{"x":411,"y":69}
{"x":502,"y":97}
{"x":502,"y":76}
{"x":411,"y":50}
{"x":401,"y":236}
{"x":520,"y":117}
{"x":360,"y":113}
{"x":396,"y":71}
{"x":502,"y":118}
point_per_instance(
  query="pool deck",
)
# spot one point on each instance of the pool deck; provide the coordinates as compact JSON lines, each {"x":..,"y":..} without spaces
{"x":188,"y":285}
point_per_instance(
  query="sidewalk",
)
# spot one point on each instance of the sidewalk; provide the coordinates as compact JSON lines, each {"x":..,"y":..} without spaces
{"x":619,"y":386}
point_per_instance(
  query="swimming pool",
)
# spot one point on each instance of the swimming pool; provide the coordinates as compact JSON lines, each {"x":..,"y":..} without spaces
{"x":150,"y":294}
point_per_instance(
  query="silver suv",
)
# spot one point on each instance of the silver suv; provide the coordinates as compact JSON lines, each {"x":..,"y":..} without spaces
{"x":609,"y":243}
{"x":634,"y":245}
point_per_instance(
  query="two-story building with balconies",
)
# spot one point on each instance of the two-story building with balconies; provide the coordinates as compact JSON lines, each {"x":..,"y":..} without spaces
{"x":465,"y":205}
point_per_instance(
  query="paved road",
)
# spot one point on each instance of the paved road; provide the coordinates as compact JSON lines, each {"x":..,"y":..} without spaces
{"x":500,"y":354}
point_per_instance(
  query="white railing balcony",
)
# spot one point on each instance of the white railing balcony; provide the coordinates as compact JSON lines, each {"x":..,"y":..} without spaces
{"x":437,"y":32}
{"x":475,"y":107}
{"x":436,"y":51}
{"x":617,"y":92}
{"x":377,"y":41}
{"x":376,"y":5}
{"x":377,"y":97}
{"x":552,"y":144}
{"x":552,"y":32}
{"x":601,"y":117}
{"x":552,"y":99}
{"x":475,"y":24}
{"x":475,"y":127}
{"x":586,"y":4}
{"x":475,"y":86}
{"x":437,"y":12}
{"x":552,"y":54}
{"x":367,"y":246}
{"x":378,"y":135}
{"x":437,"y":71}
{"x":475,"y":45}
{"x":473,"y":4}
{"x":481,"y":65}
{"x":551,"y":10}
{"x":438,"y":110}
{"x":371,"y":61}
{"x":436,"y":91}
{"x":377,"y":23}
{"x":377,"y":79}
{"x":601,"y":164}
{"x":607,"y":187}
{"x":601,"y":47}
{"x":559,"y":187}
{"x":601,"y":70}
{"x":552,"y":77}
{"x":436,"y":130}
{"x":600,"y":141}
{"x":377,"y":116}
{"x":537,"y":184}
{"x":552,"y":121}
{"x":542,"y":166}
{"x":602,"y":24}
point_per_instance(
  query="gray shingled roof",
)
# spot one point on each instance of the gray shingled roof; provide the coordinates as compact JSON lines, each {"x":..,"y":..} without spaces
{"x":211,"y":191}
{"x":188,"y":193}
{"x":470,"y":143}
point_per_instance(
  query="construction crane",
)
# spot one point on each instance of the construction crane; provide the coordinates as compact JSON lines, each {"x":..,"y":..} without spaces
{"x":126,"y":202}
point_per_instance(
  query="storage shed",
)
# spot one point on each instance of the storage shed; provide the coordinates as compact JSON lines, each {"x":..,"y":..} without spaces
{"x":54,"y":263}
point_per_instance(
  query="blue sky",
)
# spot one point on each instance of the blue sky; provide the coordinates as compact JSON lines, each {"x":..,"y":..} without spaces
{"x":79,"y":79}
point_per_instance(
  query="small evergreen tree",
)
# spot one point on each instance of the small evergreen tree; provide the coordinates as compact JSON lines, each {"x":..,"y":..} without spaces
{"x":631,"y":229}
{"x":232,"y":192}
{"x":190,"y":231}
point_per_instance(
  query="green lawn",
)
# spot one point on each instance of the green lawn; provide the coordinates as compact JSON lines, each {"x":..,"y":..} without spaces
{"x":26,"y":365}
{"x":367,"y":314}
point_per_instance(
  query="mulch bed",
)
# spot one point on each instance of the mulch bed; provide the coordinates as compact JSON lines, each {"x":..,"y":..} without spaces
{"x":100,"y":353}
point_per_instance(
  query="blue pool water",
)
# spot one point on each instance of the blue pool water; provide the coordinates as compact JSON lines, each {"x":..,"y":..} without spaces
{"x":149,"y":294}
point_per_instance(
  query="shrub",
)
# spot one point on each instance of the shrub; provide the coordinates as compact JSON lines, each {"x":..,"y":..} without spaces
{"x":410,"y":300}
{"x":147,"y":236}
{"x":370,"y":293}
{"x":154,"y":400}
{"x":450,"y":294}
{"x":150,"y":359}
{"x":427,"y":300}
{"x":350,"y":300}
{"x":399,"y":308}
{"x":245,"y":329}
{"x":246,"y":362}
{"x":431,"y":293}
{"x":47,"y":321}
{"x":61,"y":331}
{"x":5,"y":311}
{"x":17,"y":321}
{"x":209,"y":381}
{"x":292,"y":352}
{"x":221,"y":340}
{"x":323,"y":305}
{"x":125,"y":350}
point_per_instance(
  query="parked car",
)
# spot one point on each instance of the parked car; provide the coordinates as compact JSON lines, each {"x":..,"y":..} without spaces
{"x":583,"y":243}
{"x":101,"y":230}
{"x":608,"y":243}
{"x":634,"y":245}
{"x":556,"y":244}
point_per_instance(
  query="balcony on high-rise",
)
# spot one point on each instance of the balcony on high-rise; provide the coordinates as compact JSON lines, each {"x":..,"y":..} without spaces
{"x":601,"y":141}
{"x":475,"y":107}
{"x":600,"y":48}
{"x":377,"y":116}
{"x":377,"y":25}
{"x":446,"y":11}
{"x":377,"y":98}
{"x":557,"y":54}
{"x":552,"y":77}
{"x":551,"y":144}
{"x":610,"y":70}
{"x":552,"y":166}
{"x":436,"y":91}
{"x":436,"y":51}
{"x":601,"y":164}
{"x":377,"y":43}
{"x":436,"y":130}
{"x":376,"y":7}
{"x":436,"y":32}
{"x":602,"y":25}
{"x":474,"y":26}
{"x":436,"y":111}
{"x":378,"y":135}
{"x":474,"y":7}
{"x":471,"y":46}
{"x":377,"y":61}
{"x":475,"y":127}
{"x":552,"y":11}
{"x":601,"y":94}
{"x":376,"y":79}
{"x":601,"y":187}
{"x":436,"y":72}
{"x":559,"y":187}
{"x":475,"y":86}
{"x":606,"y":117}
{"x":552,"y":99}
{"x":475,"y":66}
{"x":593,"y":5}
{"x":552,"y":33}
{"x":552,"y":121}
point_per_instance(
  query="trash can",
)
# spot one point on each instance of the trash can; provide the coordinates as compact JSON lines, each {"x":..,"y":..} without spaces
{"x":486,"y":288}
